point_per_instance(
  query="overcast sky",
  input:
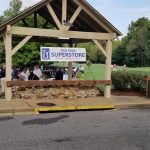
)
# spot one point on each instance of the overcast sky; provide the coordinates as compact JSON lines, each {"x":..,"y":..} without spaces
{"x":119,"y":12}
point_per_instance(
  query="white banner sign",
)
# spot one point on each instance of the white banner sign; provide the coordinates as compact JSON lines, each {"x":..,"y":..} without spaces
{"x":63,"y":54}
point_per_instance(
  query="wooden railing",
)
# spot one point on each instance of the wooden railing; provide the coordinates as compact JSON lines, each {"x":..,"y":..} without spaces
{"x":54,"y":83}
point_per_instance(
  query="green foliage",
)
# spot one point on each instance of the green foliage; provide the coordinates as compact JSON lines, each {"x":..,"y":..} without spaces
{"x":2,"y":56}
{"x":137,"y":81}
{"x":78,"y":74}
{"x":1,"y":19}
{"x":29,"y":55}
{"x":30,"y":21}
{"x":89,"y":63}
{"x":120,"y":80}
{"x":93,"y":53}
{"x":130,"y":80}
{"x":138,"y":42}
{"x":119,"y":53}
{"x":101,"y":88}
{"x":13,"y":10}
{"x":134,"y":49}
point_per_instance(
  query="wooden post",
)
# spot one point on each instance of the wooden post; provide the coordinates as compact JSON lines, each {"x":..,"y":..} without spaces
{"x":70,"y":63}
{"x":69,"y":70}
{"x":8,"y":46}
{"x":107,"y":92}
{"x":35,"y":20}
{"x":64,"y":11}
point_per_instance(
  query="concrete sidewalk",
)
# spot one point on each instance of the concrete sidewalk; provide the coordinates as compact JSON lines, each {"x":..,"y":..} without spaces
{"x":100,"y":103}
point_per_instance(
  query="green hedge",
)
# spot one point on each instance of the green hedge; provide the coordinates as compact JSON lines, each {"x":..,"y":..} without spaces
{"x":130,"y":80}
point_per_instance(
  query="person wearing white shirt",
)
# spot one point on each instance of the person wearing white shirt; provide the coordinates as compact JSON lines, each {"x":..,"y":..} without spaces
{"x":37,"y":71}
{"x":24,"y":75}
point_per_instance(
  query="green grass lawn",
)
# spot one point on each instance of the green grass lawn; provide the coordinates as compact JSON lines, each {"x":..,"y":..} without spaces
{"x":140,"y":68}
{"x":94,"y":72}
{"x":65,"y":64}
{"x":97,"y":71}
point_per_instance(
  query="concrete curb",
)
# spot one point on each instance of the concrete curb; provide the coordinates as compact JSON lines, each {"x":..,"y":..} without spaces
{"x":73,"y":108}
{"x":132,"y":106}
{"x":24,"y":111}
{"x":7,"y":111}
{"x":17,"y":111}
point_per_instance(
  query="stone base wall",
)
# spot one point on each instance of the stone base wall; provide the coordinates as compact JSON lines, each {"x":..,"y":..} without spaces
{"x":55,"y":92}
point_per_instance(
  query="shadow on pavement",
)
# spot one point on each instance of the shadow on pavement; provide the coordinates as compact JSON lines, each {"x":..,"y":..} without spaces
{"x":5,"y":118}
{"x":44,"y":121}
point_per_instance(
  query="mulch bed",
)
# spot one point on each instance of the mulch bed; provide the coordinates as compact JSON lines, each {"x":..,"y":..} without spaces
{"x":125,"y":93}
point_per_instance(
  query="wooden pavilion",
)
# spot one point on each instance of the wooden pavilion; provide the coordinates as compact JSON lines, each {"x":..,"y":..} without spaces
{"x":73,"y":21}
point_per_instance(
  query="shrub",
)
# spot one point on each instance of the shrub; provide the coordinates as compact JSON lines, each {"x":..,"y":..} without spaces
{"x":130,"y":80}
{"x":120,"y":80}
{"x":100,"y":88}
{"x":138,"y":82}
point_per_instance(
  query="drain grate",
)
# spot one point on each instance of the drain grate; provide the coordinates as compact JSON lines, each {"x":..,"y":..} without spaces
{"x":46,"y":104}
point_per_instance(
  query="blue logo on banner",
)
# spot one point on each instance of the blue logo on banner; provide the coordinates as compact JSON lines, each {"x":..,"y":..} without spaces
{"x":45,"y":53}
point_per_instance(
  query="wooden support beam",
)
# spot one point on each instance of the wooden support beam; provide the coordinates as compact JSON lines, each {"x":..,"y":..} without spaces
{"x":55,"y":83}
{"x":53,"y":14}
{"x":69,"y":70}
{"x":64,"y":11}
{"x":61,"y":33}
{"x":25,"y":40}
{"x":100,"y":47}
{"x":49,"y":40}
{"x":8,"y":46}
{"x":35,"y":20}
{"x":79,"y":3}
{"x":107,"y":91}
{"x":74,"y":16}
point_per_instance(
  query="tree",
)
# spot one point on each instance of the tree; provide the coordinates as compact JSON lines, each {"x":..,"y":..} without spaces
{"x":1,"y":19}
{"x":15,"y":8}
{"x":134,"y":49}
{"x":119,"y":53}
{"x":93,"y":53}
{"x":30,"y":52}
{"x":137,"y":44}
